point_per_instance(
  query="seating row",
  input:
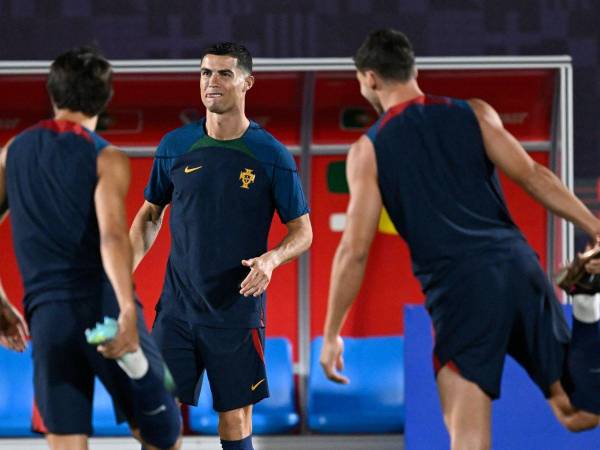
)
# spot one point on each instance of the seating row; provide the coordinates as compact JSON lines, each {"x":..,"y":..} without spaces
{"x":373,"y":402}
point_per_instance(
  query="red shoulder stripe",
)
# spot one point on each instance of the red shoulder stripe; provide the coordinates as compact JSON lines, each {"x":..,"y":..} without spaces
{"x":64,"y":126}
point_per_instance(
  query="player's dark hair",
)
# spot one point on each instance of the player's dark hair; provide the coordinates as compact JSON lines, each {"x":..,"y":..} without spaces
{"x":387,"y":52}
{"x":238,"y":51}
{"x":80,"y":80}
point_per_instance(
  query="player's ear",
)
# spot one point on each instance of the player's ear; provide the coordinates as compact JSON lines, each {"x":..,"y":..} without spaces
{"x":372,"y":79}
{"x":249,"y":82}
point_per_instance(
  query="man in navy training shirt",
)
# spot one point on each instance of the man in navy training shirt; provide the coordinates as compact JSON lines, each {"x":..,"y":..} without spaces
{"x":224,"y":176}
{"x":431,"y":162}
{"x":66,"y":189}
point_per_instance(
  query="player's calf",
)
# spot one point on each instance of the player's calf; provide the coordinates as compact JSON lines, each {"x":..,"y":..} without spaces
{"x":235,"y":429}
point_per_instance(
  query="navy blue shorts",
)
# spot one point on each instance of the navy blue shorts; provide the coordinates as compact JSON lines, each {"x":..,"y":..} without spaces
{"x":508,"y":307}
{"x":232,"y":357}
{"x":65,"y":364}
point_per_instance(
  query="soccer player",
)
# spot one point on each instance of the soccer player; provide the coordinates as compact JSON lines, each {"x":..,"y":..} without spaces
{"x":66,"y":189}
{"x":431,"y":161}
{"x":224,"y":177}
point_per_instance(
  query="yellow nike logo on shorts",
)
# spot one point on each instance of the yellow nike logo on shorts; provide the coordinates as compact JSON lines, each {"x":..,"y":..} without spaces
{"x":189,"y":169}
{"x":254,"y":386}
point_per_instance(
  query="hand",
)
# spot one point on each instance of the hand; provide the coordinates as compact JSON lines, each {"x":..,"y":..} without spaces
{"x":127,"y":339}
{"x":256,"y":282}
{"x":13,"y":328}
{"x":332,"y":360}
{"x":593,"y":265}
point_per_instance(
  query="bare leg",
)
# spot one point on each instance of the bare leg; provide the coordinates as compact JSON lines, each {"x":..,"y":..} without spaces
{"x":67,"y":441}
{"x":467,"y":411}
{"x":236,"y":424}
{"x":571,"y":418}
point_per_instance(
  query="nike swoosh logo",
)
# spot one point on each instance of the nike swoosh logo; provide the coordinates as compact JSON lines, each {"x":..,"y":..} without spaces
{"x":254,"y":386}
{"x":189,"y":169}
{"x":156,"y":411}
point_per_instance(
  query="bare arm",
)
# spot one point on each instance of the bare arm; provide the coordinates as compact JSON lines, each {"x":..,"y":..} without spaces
{"x":350,"y":259}
{"x":115,"y":248}
{"x":545,"y":187}
{"x":296,"y":242}
{"x":13,"y":328}
{"x":3,"y":194}
{"x":144,"y":230}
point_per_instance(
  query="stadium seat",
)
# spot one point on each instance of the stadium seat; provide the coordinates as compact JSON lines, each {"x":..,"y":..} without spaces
{"x":16,"y":393}
{"x":104,"y":422}
{"x":373,"y":402}
{"x":274,"y":415}
{"x":521,"y":418}
{"x":16,"y":399}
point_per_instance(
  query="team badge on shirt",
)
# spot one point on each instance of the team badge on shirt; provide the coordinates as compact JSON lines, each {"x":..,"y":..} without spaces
{"x":247,"y":176}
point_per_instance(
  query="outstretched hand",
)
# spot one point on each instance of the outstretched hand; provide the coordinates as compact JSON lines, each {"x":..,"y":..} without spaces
{"x":332,"y":359}
{"x":13,"y":328}
{"x":261,"y":270}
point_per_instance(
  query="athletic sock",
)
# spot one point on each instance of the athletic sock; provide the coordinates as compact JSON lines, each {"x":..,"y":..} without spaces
{"x":584,"y":353}
{"x":243,"y":444}
{"x":134,"y":364}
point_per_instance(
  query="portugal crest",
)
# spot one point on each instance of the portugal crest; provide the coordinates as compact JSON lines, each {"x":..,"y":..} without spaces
{"x":247,"y":176}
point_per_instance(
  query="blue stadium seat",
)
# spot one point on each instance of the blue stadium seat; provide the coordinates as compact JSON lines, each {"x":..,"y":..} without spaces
{"x":16,"y":393}
{"x":373,"y":402}
{"x":104,"y":422}
{"x":521,"y":418}
{"x":274,"y":415}
{"x":16,"y":399}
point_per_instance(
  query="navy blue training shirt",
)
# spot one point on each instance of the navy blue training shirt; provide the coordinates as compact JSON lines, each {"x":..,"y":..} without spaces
{"x":51,"y":179}
{"x":441,"y":190}
{"x":223,"y":195}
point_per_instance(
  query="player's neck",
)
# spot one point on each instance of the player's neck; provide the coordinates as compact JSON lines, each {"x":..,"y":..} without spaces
{"x":228,"y":126}
{"x":399,"y":93}
{"x":76,"y":117}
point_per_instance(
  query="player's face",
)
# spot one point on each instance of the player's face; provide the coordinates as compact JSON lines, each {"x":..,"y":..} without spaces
{"x":223,"y":84}
{"x":367,"y":91}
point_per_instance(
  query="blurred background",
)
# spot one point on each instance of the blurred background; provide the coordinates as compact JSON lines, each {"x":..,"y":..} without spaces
{"x":138,"y":29}
{"x":146,"y":105}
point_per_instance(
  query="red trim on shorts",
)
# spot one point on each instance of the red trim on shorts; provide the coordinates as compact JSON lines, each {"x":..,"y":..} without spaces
{"x":37,"y":421}
{"x":437,"y":365}
{"x":420,"y":100}
{"x":258,"y":344}
{"x":64,"y":126}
